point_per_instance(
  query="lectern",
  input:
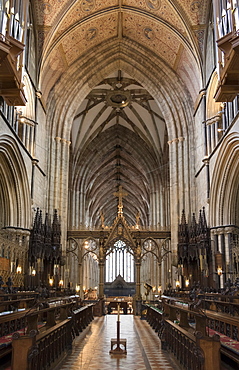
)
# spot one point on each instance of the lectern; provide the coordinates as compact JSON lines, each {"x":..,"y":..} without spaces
{"x":115,"y":343}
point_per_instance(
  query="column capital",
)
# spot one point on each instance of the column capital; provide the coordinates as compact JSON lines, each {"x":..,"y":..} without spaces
{"x":66,"y":141}
{"x":214,"y":119}
{"x":35,"y":161}
{"x":206,"y":160}
{"x":229,"y":230}
{"x":220,"y":231}
{"x":176,"y":140}
{"x":203,"y":92}
{"x":181,"y":138}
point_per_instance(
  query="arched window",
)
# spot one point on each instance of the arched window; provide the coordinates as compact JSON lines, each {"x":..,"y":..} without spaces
{"x":119,"y":262}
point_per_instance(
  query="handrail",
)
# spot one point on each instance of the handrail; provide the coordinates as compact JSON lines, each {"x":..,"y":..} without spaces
{"x":193,"y":351}
{"x":50,"y":345}
{"x":45,"y":350}
{"x":183,"y":345}
{"x":207,"y":313}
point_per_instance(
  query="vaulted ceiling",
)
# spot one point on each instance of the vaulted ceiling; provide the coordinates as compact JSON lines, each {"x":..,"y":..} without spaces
{"x":171,"y":29}
{"x":119,"y":137}
{"x":118,"y":131}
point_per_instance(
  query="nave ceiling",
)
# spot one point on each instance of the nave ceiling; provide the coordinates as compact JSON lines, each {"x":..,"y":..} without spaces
{"x":107,"y":45}
{"x":172,"y":30}
{"x":119,"y":138}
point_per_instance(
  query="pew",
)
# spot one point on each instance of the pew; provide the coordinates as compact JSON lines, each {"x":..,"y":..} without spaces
{"x":208,"y":323}
{"x":25,"y":321}
{"x":192,"y":350}
{"x":47,"y":348}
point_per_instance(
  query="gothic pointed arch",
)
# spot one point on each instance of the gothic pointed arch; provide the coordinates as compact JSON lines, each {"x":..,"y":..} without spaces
{"x":224,"y":203}
{"x":160,"y":81}
{"x":120,"y":231}
{"x":213,"y":108}
{"x":14,"y":186}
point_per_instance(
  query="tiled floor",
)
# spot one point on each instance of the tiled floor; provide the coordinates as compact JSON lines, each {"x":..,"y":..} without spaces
{"x":91,"y":348}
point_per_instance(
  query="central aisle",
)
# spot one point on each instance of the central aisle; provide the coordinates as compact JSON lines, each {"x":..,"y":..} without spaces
{"x":91,"y":348}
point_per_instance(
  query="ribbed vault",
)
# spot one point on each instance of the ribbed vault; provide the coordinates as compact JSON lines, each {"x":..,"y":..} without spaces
{"x":157,"y":78}
{"x":118,"y":157}
{"x":172,"y":30}
{"x":156,"y":49}
{"x":171,"y":102}
{"x":119,"y":138}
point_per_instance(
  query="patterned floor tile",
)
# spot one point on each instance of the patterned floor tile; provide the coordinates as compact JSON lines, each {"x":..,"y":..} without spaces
{"x":91,"y":349}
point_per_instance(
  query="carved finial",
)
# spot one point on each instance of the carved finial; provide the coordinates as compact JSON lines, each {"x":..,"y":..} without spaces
{"x":183,"y":218}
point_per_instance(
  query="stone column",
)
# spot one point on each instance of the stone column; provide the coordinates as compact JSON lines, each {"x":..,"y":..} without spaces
{"x":138,"y":298}
{"x":31,"y":138}
{"x":80,"y":272}
{"x":63,"y":206}
{"x":228,"y":257}
{"x":138,"y":293}
{"x":173,"y":154}
{"x":34,"y":163}
{"x":213,"y":249}
{"x":220,"y":232}
{"x":181,"y":182}
{"x":101,"y":279}
{"x":56,"y":179}
{"x":163,"y":274}
{"x":206,"y":163}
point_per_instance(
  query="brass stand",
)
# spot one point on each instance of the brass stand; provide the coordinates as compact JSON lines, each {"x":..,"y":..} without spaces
{"x":118,"y":350}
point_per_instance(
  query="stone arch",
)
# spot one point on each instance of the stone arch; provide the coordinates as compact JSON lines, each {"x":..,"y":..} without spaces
{"x":224,"y":203}
{"x":54,"y":66}
{"x":14,"y":187}
{"x":28,"y":110}
{"x":160,"y":80}
{"x":164,"y":85}
{"x":213,"y":108}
